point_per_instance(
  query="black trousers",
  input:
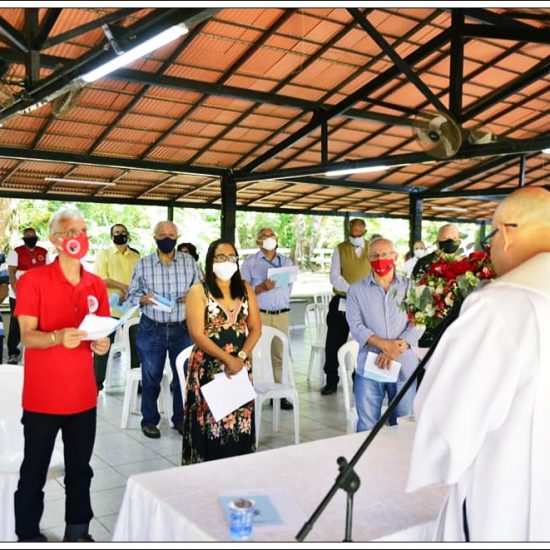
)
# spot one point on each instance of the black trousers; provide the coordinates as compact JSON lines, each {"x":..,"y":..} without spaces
{"x":14,"y":335}
{"x":100,"y":361}
{"x":337,"y":336}
{"x":40,"y":430}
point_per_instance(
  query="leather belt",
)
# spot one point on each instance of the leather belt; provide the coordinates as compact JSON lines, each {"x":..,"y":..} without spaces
{"x":274,"y":311}
{"x":168,"y":324}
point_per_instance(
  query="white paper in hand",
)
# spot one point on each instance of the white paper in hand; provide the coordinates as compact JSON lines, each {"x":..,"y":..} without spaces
{"x":224,"y":395}
{"x":97,"y":327}
{"x":283,"y":275}
{"x":380,"y":375}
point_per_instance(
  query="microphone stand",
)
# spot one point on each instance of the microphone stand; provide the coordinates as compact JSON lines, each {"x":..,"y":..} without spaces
{"x":348,"y":480}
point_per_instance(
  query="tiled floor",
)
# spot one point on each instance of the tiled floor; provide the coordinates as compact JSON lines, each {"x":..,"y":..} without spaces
{"x":121,"y":453}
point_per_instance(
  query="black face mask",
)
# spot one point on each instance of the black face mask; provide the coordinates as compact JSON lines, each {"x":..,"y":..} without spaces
{"x":120,"y":239}
{"x":30,"y":241}
{"x":449,"y":246}
{"x":166,"y":245}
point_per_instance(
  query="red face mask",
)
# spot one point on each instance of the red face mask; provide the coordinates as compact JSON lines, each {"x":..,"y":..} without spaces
{"x":382,"y":266}
{"x":76,"y":247}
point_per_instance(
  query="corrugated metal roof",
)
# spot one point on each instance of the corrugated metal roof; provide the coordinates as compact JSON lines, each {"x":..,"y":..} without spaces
{"x":304,"y":60}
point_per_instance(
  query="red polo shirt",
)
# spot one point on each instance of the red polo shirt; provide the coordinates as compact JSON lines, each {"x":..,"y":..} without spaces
{"x":59,"y":380}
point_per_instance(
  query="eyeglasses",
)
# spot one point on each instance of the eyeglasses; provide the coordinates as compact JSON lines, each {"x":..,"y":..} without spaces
{"x":382,"y":256}
{"x":115,"y":233}
{"x":223,"y":258}
{"x":486,"y":242}
{"x":73,"y":233}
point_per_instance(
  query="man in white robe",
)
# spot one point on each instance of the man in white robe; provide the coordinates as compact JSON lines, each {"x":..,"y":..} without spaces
{"x":483,"y":409}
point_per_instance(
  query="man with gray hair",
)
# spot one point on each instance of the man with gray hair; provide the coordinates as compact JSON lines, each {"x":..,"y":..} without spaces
{"x":273,"y":300}
{"x":59,"y":391}
{"x":482,"y":410}
{"x":349,"y":264}
{"x":159,"y":284}
{"x":380,"y":325}
{"x":448,"y":244}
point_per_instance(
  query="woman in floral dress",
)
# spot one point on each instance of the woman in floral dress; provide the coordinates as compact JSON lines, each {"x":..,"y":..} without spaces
{"x":224,"y":322}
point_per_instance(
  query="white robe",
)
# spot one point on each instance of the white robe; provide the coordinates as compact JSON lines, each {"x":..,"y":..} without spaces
{"x":483,"y":412}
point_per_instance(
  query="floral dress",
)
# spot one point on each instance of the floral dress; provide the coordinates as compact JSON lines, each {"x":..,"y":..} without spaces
{"x":204,"y":438}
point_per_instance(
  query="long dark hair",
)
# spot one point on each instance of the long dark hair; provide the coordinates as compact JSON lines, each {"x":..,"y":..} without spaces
{"x":192,"y":250}
{"x":237,"y":288}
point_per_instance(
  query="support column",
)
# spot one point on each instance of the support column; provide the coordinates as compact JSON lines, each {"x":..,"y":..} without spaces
{"x":346,"y":226}
{"x":482,"y":233}
{"x":415,"y":220}
{"x":324,"y":142}
{"x":170,"y":212}
{"x":229,"y":206}
{"x":522,"y":171}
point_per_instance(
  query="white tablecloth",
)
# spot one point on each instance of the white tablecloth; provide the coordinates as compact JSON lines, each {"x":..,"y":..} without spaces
{"x":182,"y":504}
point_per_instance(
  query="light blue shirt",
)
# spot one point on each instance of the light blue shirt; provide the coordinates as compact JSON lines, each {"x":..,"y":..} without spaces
{"x":370,"y":311}
{"x":254,"y":271}
{"x":171,"y":281}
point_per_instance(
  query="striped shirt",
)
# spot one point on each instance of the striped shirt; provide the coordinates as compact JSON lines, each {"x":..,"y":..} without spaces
{"x":254,"y":271}
{"x":170,"y":281}
{"x":370,"y":311}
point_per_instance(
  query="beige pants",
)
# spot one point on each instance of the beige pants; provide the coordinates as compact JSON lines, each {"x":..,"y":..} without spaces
{"x":280,"y":322}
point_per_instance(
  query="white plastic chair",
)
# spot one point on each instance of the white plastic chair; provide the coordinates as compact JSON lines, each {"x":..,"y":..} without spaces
{"x":133,"y":378}
{"x":347,"y":363}
{"x":116,"y":347}
{"x":265,"y":385}
{"x":316,"y":324}
{"x":323,"y":297}
{"x":182,"y":357}
{"x":12,"y":444}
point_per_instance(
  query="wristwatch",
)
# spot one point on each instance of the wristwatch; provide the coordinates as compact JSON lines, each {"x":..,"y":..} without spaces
{"x":242,"y":355}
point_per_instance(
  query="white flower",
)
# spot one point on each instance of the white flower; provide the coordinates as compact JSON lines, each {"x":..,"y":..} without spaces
{"x":449,"y":299}
{"x":419,"y":290}
{"x":430,"y":310}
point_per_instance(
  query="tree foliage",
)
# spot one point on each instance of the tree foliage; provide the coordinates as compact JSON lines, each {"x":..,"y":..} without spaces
{"x":302,"y":234}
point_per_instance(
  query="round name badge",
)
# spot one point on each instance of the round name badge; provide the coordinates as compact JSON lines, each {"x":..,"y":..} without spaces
{"x":93,"y":304}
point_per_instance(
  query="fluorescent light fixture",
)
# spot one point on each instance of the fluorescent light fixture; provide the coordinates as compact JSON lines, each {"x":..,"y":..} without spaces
{"x":141,"y":50}
{"x":350,"y":171}
{"x":450,"y":208}
{"x":546,"y":151}
{"x":83,"y":182}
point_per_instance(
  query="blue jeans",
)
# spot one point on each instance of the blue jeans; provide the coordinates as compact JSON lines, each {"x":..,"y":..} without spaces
{"x":369,"y":396}
{"x":153,"y":341}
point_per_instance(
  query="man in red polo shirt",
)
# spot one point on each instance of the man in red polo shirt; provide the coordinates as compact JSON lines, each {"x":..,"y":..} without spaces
{"x":59,"y":390}
{"x":21,"y":259}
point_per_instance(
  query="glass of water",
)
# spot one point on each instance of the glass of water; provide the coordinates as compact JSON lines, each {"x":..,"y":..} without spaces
{"x":241,"y":514}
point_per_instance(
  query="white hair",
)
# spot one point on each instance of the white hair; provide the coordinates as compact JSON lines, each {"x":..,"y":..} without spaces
{"x":383,"y":240}
{"x":165,"y":222}
{"x":61,"y":216}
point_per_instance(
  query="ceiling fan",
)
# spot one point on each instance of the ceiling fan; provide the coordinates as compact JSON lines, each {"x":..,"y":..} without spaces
{"x":441,"y":137}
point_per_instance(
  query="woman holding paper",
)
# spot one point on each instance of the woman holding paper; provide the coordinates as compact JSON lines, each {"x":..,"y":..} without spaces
{"x":224,"y":322}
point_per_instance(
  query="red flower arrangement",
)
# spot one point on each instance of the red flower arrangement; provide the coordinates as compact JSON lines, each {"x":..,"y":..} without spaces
{"x":448,"y":279}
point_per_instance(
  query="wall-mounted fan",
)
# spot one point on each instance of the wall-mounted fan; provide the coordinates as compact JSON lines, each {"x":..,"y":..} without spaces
{"x":6,"y":98}
{"x":437,"y":133}
{"x":66,"y":101}
{"x":479,"y":136}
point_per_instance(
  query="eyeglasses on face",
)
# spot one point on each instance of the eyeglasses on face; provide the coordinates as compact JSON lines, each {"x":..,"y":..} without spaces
{"x":226,"y":258}
{"x":72,"y":233}
{"x":486,"y":242}
{"x":381,"y":256}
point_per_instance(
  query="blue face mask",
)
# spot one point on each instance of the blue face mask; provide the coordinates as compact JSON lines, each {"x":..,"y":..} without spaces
{"x":357,"y":241}
{"x":166,"y":245}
